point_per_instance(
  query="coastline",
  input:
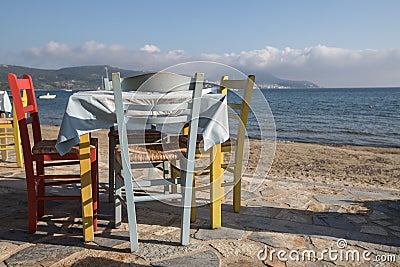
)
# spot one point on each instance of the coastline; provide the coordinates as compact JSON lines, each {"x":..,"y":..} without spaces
{"x":337,"y":165}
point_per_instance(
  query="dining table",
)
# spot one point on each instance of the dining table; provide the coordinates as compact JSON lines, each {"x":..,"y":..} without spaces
{"x":5,"y":103}
{"x":89,"y":111}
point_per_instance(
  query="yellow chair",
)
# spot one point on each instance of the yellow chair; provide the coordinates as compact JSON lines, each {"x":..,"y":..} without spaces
{"x":10,"y":138}
{"x":238,"y":111}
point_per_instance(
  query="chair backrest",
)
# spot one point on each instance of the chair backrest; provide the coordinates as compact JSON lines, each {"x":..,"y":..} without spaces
{"x":151,"y":82}
{"x":26,"y":111}
{"x":160,"y":113}
{"x":107,"y":84}
{"x":239,"y":111}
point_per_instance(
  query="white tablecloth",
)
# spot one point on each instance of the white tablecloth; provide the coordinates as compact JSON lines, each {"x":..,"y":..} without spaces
{"x":89,"y":111}
{"x":5,"y":104}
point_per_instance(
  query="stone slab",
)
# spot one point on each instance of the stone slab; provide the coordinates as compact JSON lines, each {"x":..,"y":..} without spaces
{"x":204,"y":258}
{"x":334,"y":200}
{"x":40,"y":255}
{"x":371,"y":229}
{"x":366,"y":194}
{"x":113,"y":239}
{"x":333,"y":220}
{"x":220,"y":233}
{"x":150,"y":249}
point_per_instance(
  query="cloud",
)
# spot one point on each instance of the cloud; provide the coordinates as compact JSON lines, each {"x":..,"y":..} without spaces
{"x":55,"y":55}
{"x":326,"y":66}
{"x":150,"y":48}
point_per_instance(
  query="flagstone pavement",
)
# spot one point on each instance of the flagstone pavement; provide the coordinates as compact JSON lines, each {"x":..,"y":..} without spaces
{"x":284,"y":223}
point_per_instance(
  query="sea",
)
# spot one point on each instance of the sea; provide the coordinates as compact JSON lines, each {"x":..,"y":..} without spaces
{"x":340,"y":116}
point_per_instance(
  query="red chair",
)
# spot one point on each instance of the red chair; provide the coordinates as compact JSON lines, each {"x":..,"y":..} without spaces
{"x":44,"y":154}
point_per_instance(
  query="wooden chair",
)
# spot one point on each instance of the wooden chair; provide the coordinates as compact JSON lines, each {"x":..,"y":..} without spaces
{"x":147,"y":82}
{"x":43,"y":154}
{"x":9,"y":137}
{"x":107,"y":84}
{"x":237,"y":110}
{"x":145,"y":154}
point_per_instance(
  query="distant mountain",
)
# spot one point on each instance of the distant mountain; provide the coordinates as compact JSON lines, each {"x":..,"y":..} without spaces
{"x":77,"y":78}
{"x":90,"y":77}
{"x":267,"y":80}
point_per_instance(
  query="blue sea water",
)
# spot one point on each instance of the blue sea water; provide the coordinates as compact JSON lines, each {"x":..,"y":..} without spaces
{"x":357,"y":116}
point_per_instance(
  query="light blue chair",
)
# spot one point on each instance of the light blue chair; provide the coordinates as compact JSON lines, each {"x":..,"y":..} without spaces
{"x":144,"y":155}
{"x":146,"y":82}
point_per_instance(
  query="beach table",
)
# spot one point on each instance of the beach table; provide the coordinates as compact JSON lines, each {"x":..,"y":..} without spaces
{"x":5,"y":103}
{"x":88,"y":111}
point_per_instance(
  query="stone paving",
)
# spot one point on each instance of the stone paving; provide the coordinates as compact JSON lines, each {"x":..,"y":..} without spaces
{"x":284,"y":223}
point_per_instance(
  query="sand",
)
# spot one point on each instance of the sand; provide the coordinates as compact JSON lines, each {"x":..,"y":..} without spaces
{"x":362,"y":166}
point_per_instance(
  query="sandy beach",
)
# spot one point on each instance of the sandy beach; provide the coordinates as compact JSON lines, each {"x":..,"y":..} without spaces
{"x":343,"y":165}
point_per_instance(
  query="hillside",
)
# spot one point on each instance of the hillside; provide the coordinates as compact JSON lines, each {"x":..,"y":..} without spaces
{"x":90,"y":77}
{"x":77,"y":78}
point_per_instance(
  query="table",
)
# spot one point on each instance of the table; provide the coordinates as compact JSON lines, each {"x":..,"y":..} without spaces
{"x":88,"y":111}
{"x":5,"y":104}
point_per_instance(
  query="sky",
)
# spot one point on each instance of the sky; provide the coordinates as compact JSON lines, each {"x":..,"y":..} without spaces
{"x":337,"y":43}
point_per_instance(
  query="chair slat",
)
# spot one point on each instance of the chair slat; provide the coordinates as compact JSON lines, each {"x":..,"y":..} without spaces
{"x":24,"y":84}
{"x":157,"y":197}
{"x":156,"y":82}
{"x":235,"y":106}
{"x":155,"y":182}
{"x":28,"y":109}
{"x":159,"y":119}
{"x":160,"y":107}
{"x":234,"y":84}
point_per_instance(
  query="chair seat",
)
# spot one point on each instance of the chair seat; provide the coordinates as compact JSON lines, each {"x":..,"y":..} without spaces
{"x":136,"y":134}
{"x":45,"y":147}
{"x":6,"y":120}
{"x":153,"y":152}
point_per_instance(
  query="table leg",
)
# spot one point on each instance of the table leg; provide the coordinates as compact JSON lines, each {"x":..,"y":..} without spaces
{"x":86,"y":188}
{"x":217,"y":192}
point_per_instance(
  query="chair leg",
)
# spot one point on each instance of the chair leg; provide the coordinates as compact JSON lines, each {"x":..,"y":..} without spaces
{"x":174,"y":174}
{"x":130,"y":206}
{"x":187,"y":204}
{"x":193,"y":215}
{"x":32,"y":205}
{"x":32,"y":212}
{"x":133,"y":236}
{"x":216,"y":177}
{"x":166,"y":175}
{"x":118,"y":194}
{"x":95,"y":191}
{"x":111,"y":158}
{"x":41,"y":190}
{"x":187,"y":197}
{"x":17,"y":144}
{"x":86,"y":187}
{"x":237,"y":190}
